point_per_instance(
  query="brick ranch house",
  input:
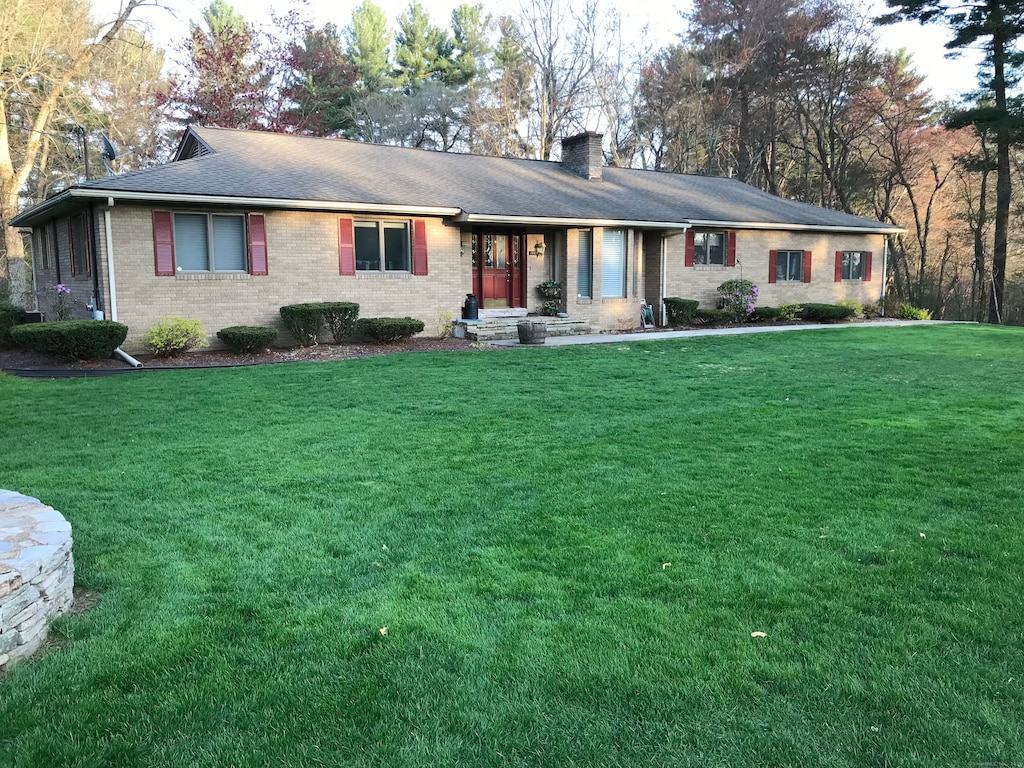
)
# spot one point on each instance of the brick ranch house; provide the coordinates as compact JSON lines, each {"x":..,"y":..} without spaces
{"x":240,"y":223}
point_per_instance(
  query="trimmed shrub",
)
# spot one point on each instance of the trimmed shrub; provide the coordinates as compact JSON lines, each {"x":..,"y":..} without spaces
{"x":762,"y":314}
{"x":388,"y":329}
{"x":76,"y":339}
{"x":172,"y":336}
{"x":856,"y":306}
{"x":789,"y":311}
{"x":304,"y":322}
{"x":680,"y":311}
{"x":907,"y":311}
{"x":825,"y":313}
{"x":340,"y":317}
{"x":711,"y":317}
{"x":10,"y":316}
{"x":245,"y":339}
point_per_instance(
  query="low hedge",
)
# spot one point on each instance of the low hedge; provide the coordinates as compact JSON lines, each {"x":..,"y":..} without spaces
{"x":711,"y":317}
{"x":825,"y":313}
{"x":388,"y":329}
{"x":680,"y":311}
{"x":10,"y":316}
{"x":340,"y":318}
{"x":76,"y":339}
{"x":306,"y":321}
{"x":763,"y":314}
{"x":245,"y":339}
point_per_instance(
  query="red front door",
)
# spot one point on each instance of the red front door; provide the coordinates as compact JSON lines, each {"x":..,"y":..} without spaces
{"x":499,"y":263}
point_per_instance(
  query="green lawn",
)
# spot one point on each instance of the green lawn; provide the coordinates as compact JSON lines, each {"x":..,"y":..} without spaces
{"x":510,"y":518}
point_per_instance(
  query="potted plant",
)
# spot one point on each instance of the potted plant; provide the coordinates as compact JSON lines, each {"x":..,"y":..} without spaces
{"x":550,"y":289}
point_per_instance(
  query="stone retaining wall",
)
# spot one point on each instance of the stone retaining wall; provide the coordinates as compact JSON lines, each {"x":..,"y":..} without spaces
{"x":37,"y":573}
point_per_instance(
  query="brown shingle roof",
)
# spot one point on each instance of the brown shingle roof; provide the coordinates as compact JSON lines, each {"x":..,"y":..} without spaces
{"x":278,"y":167}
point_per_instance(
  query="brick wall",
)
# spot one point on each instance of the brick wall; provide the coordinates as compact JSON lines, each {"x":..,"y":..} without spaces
{"x":303,"y":266}
{"x":752,"y":254}
{"x":59,"y":263}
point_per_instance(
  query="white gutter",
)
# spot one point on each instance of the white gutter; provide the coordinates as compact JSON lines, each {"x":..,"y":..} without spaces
{"x":796,"y":227}
{"x":110,"y":259}
{"x":241,"y":202}
{"x":486,"y":218}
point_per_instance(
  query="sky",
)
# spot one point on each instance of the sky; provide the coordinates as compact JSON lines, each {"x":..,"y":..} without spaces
{"x":946,"y":78}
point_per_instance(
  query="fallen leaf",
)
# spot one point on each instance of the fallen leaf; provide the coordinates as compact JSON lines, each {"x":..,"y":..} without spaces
{"x":383,"y":630}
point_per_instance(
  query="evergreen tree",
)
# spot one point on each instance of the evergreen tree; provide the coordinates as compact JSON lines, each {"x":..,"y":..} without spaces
{"x":318,"y":84}
{"x":367,"y":38}
{"x":997,"y":26}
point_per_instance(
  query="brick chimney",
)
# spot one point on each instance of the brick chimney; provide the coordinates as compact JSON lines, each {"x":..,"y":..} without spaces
{"x":581,"y":154}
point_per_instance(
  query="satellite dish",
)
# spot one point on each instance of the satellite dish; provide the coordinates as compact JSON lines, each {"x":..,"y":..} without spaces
{"x":109,"y":155}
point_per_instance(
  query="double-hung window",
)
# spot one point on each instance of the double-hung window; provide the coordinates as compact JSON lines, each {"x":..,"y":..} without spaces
{"x":789,"y":266}
{"x":709,"y":248}
{"x":210,"y":242}
{"x":853,"y":265}
{"x":382,"y":246}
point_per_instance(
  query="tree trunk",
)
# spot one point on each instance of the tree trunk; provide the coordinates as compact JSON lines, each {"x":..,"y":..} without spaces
{"x":1003,"y":190}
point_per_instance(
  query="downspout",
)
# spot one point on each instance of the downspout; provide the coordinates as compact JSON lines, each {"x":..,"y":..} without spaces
{"x":97,"y":298}
{"x":110,"y":258}
{"x":885,"y":276}
{"x":110,"y":278}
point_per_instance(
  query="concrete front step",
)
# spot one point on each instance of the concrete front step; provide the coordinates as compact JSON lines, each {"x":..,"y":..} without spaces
{"x":503,"y":328}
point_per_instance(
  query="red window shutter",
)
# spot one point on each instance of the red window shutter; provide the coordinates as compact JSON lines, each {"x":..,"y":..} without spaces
{"x":773,"y":263}
{"x":163,"y":242}
{"x":257,"y":244}
{"x":346,"y":248}
{"x":839,"y":266}
{"x":730,"y":259}
{"x":419,"y":247}
{"x":867,"y":267}
{"x":688,"y":260}
{"x":807,"y":266}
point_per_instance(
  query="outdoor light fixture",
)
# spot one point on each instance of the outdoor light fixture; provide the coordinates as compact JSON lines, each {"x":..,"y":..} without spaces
{"x":539,"y":248}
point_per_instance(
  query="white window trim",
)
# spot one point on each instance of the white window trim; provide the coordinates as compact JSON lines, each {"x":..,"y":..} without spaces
{"x":381,"y":225}
{"x":787,"y":278}
{"x":212,"y":269}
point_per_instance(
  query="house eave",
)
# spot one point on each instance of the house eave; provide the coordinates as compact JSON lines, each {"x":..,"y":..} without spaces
{"x":553,"y":221}
{"x":40,"y":211}
{"x":881,"y":229}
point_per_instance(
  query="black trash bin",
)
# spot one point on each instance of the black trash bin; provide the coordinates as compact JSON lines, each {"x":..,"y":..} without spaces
{"x":471,"y":309}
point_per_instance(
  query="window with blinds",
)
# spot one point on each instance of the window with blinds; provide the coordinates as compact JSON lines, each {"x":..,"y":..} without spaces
{"x":613,"y":264}
{"x":585,"y":270}
{"x":209,"y":242}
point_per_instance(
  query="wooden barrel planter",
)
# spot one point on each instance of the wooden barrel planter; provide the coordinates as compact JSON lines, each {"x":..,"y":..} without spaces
{"x":532,"y":332}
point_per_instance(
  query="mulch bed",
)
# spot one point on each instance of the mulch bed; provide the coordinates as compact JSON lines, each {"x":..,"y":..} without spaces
{"x":23,"y":360}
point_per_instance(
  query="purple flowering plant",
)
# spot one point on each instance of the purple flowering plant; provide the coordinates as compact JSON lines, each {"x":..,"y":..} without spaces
{"x":62,"y":303}
{"x":738,"y":298}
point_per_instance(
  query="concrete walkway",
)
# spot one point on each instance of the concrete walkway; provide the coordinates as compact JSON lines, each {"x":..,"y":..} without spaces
{"x":619,"y":338}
